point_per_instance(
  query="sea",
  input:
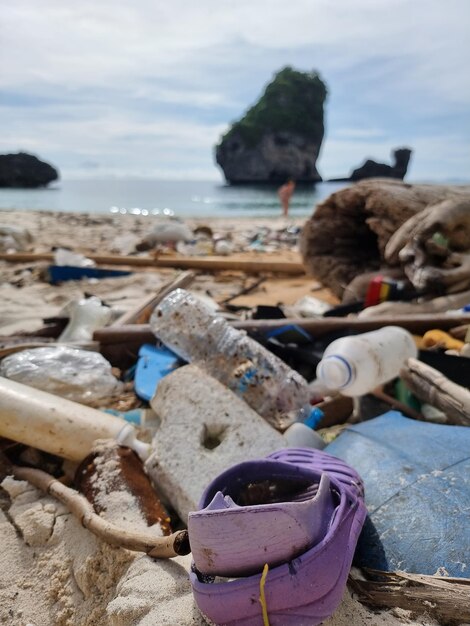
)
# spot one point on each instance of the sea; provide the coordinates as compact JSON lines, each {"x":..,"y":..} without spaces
{"x":173,"y":198}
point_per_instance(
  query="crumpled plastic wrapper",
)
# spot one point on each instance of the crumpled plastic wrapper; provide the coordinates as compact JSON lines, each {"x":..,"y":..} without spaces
{"x":71,"y":373}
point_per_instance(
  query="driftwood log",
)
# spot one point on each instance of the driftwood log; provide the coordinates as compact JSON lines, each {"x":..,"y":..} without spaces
{"x":431,"y":386}
{"x":380,"y":223}
{"x":445,"y":598}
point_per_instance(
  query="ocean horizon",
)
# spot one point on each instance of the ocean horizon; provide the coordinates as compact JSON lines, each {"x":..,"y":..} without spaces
{"x":181,"y":198}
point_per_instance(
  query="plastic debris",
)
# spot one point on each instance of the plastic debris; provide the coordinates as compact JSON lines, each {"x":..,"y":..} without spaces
{"x":86,"y":316}
{"x":62,"y":256}
{"x":191,"y":329}
{"x":71,"y":373}
{"x":14,"y":239}
{"x":417,"y":484}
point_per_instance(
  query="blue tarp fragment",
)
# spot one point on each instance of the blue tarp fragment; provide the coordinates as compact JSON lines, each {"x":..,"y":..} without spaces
{"x":417,"y":485}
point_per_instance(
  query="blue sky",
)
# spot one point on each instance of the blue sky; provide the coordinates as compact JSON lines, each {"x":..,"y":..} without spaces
{"x":146,"y":88}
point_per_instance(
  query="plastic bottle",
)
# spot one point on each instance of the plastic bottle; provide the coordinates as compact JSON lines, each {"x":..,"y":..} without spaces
{"x":358,"y":364}
{"x":195,"y":333}
{"x":299,"y":435}
{"x":59,"y":426}
{"x":86,"y":316}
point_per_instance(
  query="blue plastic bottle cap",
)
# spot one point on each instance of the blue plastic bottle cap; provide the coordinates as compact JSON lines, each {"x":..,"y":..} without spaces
{"x":315,"y":417}
{"x":335,"y":372}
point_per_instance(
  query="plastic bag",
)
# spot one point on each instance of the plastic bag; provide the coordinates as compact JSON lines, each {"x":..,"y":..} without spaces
{"x":62,"y":256}
{"x":14,"y":238}
{"x":71,"y":373}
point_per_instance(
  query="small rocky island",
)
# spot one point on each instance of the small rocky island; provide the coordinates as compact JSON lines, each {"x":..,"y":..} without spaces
{"x":25,"y":171}
{"x":280,"y":136}
{"x":372,"y":169}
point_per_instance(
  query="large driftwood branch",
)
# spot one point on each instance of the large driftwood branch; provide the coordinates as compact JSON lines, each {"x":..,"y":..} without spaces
{"x":207,"y":264}
{"x":414,"y":247}
{"x":157,"y":547}
{"x":448,"y":599}
{"x":432,"y":387}
{"x":349,"y":231}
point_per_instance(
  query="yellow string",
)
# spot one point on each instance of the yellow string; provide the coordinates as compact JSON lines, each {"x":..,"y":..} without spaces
{"x":262,"y":597}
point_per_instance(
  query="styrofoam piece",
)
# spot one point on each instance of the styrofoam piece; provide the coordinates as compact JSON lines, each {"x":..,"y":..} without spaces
{"x":205,"y":428}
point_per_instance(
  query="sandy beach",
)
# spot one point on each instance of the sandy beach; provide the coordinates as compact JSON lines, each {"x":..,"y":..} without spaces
{"x":27,"y":298}
{"x":53,"y":571}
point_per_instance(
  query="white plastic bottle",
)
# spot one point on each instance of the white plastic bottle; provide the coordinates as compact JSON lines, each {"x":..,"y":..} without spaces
{"x":59,"y":426}
{"x":299,"y":435}
{"x":191,"y":329}
{"x":86,"y":316}
{"x":358,"y":364}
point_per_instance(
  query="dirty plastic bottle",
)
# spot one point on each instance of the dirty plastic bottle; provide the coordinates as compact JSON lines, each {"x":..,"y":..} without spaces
{"x":358,"y":364}
{"x":195,"y":333}
{"x":59,"y":426}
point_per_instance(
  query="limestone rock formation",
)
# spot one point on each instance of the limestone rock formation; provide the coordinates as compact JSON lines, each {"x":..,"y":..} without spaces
{"x":372,"y":169}
{"x":280,"y":136}
{"x":25,"y":170}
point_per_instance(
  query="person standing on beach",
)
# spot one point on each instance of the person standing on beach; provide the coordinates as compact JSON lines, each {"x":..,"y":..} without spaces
{"x":285,"y":194}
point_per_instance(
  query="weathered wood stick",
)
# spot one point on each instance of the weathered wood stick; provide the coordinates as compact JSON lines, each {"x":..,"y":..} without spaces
{"x":431,"y":386}
{"x":245,"y":290}
{"x":413,"y":323}
{"x":208,"y":264}
{"x":318,"y":327}
{"x":460,"y":332}
{"x":445,"y":598}
{"x":397,"y":405}
{"x":142,"y":313}
{"x":156,"y":547}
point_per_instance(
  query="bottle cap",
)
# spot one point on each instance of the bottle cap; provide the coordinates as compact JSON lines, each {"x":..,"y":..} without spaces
{"x":335,"y":372}
{"x":315,"y":417}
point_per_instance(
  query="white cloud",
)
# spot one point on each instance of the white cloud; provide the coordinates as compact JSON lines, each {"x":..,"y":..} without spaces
{"x":126,"y":83}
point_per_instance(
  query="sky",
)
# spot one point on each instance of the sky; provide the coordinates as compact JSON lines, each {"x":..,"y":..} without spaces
{"x":146,"y":88}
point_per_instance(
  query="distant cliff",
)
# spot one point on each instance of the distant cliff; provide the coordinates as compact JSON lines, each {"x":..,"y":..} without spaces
{"x":280,"y":136}
{"x":25,"y":170}
{"x":372,"y":169}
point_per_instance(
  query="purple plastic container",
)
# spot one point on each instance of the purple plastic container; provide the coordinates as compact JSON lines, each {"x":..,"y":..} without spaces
{"x":307,"y":589}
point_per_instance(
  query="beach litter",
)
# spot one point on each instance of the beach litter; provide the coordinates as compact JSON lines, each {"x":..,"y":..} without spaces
{"x":79,"y":375}
{"x":169,"y":232}
{"x":14,"y":238}
{"x":416,"y":477}
{"x":265,"y":550}
{"x":85,"y":316}
{"x":190,"y":328}
{"x":306,"y":577}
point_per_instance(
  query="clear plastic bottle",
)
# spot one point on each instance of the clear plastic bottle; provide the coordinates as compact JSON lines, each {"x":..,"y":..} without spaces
{"x":358,"y":364}
{"x":192,"y":330}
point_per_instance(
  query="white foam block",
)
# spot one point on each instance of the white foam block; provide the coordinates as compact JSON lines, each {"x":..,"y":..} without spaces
{"x":205,"y":429}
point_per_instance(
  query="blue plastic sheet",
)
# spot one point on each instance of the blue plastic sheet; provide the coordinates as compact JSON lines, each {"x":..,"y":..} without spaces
{"x":154,"y":363}
{"x":417,"y":484}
